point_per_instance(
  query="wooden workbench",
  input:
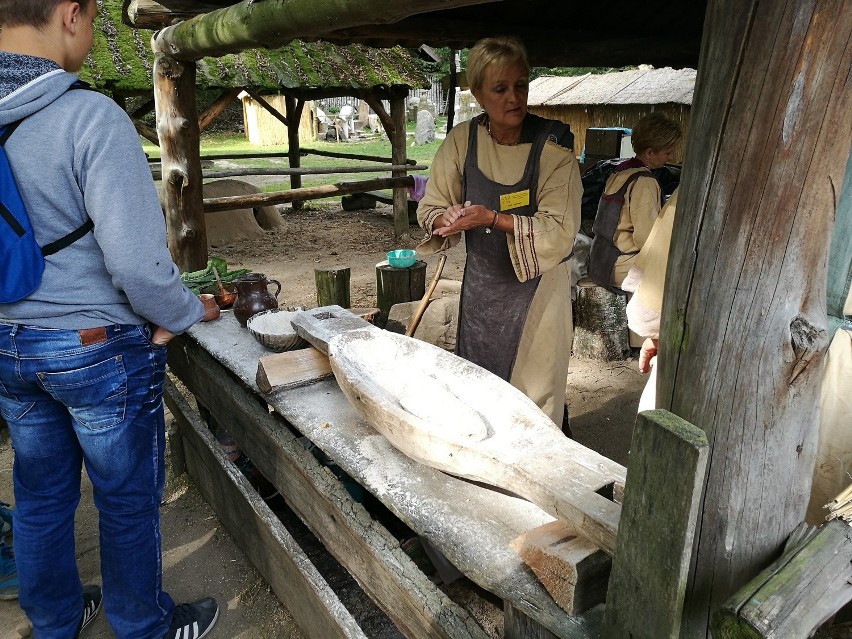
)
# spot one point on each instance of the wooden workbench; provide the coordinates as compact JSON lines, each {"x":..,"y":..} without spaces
{"x":471,"y":525}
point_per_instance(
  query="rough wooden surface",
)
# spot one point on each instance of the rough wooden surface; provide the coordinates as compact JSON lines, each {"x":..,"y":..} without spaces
{"x":764,"y":162}
{"x":333,"y":286}
{"x":572,"y":569}
{"x":665,"y":477}
{"x":360,"y":544}
{"x":396,"y":285}
{"x":471,"y":526}
{"x":797,"y":593}
{"x":443,"y":411}
{"x":291,"y":368}
{"x":259,"y":533}
{"x":600,"y":325}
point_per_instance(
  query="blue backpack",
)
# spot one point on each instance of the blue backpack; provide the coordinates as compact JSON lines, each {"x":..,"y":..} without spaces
{"x":22,"y":258}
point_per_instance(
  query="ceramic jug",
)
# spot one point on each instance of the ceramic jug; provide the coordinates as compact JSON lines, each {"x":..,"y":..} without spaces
{"x":253,"y":296}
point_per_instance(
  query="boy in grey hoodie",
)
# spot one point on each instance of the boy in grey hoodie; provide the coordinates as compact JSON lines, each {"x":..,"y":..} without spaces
{"x":82,"y":358}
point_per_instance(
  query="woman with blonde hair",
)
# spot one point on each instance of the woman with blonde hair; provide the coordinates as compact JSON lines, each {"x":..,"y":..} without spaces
{"x":509,"y":181}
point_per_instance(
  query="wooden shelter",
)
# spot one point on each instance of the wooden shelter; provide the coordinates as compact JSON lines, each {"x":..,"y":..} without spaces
{"x":618,"y":99}
{"x":744,"y":322}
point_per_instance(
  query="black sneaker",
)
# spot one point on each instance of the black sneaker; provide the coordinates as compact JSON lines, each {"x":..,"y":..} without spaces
{"x":193,"y":620}
{"x":91,"y":606}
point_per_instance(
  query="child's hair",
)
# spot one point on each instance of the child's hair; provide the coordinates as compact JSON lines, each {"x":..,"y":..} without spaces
{"x":33,"y":13}
{"x":656,"y":132}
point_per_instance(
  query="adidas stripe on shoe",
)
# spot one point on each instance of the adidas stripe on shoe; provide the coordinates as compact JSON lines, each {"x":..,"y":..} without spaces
{"x":92,"y":599}
{"x":193,"y":620}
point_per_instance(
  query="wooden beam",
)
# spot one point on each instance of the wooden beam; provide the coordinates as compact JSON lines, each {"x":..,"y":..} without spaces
{"x":177,"y":128}
{"x":744,"y":311}
{"x":387,"y":123}
{"x":148,"y":14}
{"x":346,"y":529}
{"x":657,"y":528}
{"x":144,"y":109}
{"x":275,"y":113}
{"x":796,"y":594}
{"x":257,"y":530}
{"x":273,"y":23}
{"x":215,"y":109}
{"x":294,"y":109}
{"x":328,"y":170}
{"x":399,"y":146}
{"x":352,"y":156}
{"x":316,"y":192}
{"x":145,"y":131}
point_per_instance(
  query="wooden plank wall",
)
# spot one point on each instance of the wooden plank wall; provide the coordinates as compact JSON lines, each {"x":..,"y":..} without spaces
{"x":584,"y":116}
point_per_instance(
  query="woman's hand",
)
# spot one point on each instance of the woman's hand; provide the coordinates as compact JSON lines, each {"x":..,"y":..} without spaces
{"x":649,"y":350}
{"x":468,"y":217}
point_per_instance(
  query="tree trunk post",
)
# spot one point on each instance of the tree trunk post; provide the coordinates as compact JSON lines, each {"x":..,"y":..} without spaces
{"x":398,"y":149}
{"x":744,"y":315}
{"x":451,"y":101}
{"x":177,"y":128}
{"x":294,"y":116}
{"x":398,"y":285}
{"x":333,"y":286}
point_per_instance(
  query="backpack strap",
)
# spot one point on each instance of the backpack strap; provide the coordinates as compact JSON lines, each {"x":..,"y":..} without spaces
{"x":85,"y":227}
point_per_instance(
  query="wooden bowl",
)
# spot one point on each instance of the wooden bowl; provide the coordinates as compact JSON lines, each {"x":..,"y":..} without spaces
{"x":272,"y":329}
{"x":225,"y":296}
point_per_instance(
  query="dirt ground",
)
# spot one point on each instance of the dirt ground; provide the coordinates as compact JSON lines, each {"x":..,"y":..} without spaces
{"x":199,"y":556}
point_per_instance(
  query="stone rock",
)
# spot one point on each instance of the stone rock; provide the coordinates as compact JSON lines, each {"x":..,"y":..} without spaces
{"x":424,"y":132}
{"x":468,"y":106}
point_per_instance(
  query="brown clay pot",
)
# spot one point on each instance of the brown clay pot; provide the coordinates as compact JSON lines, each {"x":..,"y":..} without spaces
{"x":253,"y":296}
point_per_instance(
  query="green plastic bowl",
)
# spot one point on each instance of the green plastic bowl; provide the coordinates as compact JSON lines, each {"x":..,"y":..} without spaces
{"x":401,"y":258}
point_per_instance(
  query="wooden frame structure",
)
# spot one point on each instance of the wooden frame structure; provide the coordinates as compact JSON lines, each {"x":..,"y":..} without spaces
{"x":745,"y":315}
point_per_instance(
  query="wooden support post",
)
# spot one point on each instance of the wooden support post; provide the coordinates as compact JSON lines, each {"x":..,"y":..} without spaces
{"x":600,"y":324}
{"x":387,"y":123}
{"x":797,"y":593}
{"x":665,"y":476}
{"x":742,"y":331}
{"x":516,"y":625}
{"x":215,"y":109}
{"x":398,"y":150}
{"x":294,"y":116}
{"x":397,"y":285}
{"x":451,"y":100}
{"x":177,"y":127}
{"x":333,"y":286}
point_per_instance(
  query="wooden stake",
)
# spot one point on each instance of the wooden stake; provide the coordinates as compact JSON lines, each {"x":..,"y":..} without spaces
{"x":415,"y":319}
{"x":333,"y":286}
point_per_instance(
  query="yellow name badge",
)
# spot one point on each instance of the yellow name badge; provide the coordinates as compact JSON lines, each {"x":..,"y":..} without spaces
{"x":514,"y":200}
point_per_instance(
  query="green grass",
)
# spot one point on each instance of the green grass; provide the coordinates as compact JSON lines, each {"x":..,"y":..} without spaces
{"x":236,"y":144}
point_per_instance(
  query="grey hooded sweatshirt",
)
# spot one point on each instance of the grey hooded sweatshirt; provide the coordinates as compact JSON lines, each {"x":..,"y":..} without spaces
{"x":76,"y":153}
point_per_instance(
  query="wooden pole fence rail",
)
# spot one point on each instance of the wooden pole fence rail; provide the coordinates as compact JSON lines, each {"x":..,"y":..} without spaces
{"x":211,"y":205}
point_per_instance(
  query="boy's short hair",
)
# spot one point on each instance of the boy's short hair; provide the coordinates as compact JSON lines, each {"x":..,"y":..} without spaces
{"x":656,"y":132}
{"x":501,"y":51}
{"x":32,"y":13}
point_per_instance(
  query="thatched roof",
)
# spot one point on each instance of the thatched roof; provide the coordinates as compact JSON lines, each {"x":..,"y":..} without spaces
{"x":639,"y":86}
{"x":121,"y":61}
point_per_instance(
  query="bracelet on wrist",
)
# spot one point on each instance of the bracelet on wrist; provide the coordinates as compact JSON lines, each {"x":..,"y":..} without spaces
{"x":493,"y":223}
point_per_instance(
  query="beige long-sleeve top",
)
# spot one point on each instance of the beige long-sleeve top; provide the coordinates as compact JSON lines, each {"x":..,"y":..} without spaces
{"x":537,"y":243}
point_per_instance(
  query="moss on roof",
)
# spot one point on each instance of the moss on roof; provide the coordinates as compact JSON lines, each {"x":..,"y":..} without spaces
{"x":121,"y":60}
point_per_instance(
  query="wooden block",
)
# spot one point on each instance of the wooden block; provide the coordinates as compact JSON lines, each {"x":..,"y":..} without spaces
{"x":797,"y":593}
{"x":571,"y":568}
{"x":333,"y":285}
{"x":665,"y":480}
{"x":291,"y":369}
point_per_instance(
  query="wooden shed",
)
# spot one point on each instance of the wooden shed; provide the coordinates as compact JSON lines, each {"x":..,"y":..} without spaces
{"x":617,"y":99}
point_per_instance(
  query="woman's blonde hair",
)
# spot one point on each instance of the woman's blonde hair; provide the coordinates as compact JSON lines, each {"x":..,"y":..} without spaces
{"x":501,"y":51}
{"x":656,"y":132}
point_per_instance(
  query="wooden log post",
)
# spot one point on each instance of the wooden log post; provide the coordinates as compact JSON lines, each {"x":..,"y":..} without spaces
{"x":398,"y":151}
{"x":333,"y":286}
{"x":744,"y":313}
{"x":177,"y":128}
{"x":600,"y":324}
{"x":397,"y":285}
{"x":294,"y":109}
{"x":665,"y":477}
{"x":797,"y":593}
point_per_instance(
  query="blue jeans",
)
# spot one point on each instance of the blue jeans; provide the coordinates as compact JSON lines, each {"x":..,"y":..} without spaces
{"x":96,"y":397}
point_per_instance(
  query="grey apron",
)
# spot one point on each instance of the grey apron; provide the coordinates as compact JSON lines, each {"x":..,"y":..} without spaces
{"x":494,"y":304}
